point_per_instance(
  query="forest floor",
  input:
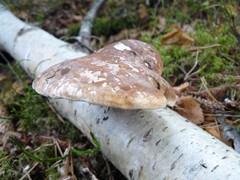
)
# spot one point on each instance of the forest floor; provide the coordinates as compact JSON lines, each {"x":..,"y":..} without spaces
{"x":200,"y":48}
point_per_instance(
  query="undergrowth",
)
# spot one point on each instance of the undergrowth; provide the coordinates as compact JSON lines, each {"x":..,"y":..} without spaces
{"x":219,"y":63}
{"x":30,"y":117}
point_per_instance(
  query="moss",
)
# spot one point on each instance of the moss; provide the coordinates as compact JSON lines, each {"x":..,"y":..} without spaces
{"x":73,"y":29}
{"x":107,"y":26}
{"x":52,"y":173}
{"x":214,"y":62}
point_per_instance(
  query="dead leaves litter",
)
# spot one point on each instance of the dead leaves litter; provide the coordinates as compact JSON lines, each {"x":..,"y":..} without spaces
{"x":189,"y":108}
{"x":177,"y":37}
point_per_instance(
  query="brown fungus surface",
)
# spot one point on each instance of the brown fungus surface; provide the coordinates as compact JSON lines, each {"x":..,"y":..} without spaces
{"x":123,"y":75}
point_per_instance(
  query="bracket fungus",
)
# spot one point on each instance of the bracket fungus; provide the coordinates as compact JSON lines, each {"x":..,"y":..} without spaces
{"x":125,"y":74}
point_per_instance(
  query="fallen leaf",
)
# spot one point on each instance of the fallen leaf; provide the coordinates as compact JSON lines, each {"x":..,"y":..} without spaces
{"x":177,"y":37}
{"x":214,"y":131}
{"x":18,"y":87}
{"x":181,"y":88}
{"x":189,"y":108}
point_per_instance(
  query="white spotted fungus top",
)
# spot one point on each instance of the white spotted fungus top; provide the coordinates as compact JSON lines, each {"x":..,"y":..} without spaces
{"x":126,"y":75}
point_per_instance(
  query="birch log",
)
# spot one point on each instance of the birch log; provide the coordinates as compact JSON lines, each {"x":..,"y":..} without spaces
{"x":142,"y":144}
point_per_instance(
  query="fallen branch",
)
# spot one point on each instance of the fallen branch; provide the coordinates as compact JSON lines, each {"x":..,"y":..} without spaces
{"x":87,"y":23}
{"x":142,"y":144}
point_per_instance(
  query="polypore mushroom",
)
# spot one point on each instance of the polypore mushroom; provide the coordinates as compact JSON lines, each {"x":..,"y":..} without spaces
{"x":123,"y":75}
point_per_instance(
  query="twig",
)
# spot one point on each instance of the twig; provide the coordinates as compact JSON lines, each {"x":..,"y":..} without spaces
{"x":156,"y":6}
{"x":216,"y":123}
{"x":27,"y":173}
{"x":87,"y":24}
{"x":222,"y":115}
{"x":209,"y":93}
{"x":188,"y":75}
{"x":71,"y":165}
{"x":197,"y":48}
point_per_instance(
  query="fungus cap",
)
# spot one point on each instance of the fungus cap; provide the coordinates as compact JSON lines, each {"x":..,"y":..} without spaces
{"x":123,"y":75}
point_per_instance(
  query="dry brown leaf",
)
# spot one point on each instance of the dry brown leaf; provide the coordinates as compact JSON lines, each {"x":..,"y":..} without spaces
{"x":177,"y":37}
{"x":23,"y":15}
{"x":214,"y":131}
{"x":189,"y":108}
{"x":18,"y":87}
{"x":181,"y":88}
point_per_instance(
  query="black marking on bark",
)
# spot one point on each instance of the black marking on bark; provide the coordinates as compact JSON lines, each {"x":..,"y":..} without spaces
{"x":204,"y":166}
{"x":175,"y":162}
{"x":129,"y":142}
{"x":215,"y":168}
{"x":105,"y":118}
{"x":158,"y":142}
{"x":23,"y":31}
{"x":130,"y":173}
{"x":75,"y":112}
{"x":154,"y":166}
{"x":148,"y":135}
{"x":98,"y":120}
{"x":108,"y":140}
{"x":182,"y":130}
{"x":164,"y":129}
{"x":140,"y":172}
{"x":225,"y":157}
{"x":176,"y":149}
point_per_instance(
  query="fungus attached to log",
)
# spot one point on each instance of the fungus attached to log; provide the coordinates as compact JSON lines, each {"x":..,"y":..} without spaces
{"x":125,"y":74}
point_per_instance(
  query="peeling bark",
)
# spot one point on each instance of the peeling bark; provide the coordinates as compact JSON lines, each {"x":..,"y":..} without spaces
{"x":142,"y":144}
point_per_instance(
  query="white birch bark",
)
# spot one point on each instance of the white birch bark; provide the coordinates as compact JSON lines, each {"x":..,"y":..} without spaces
{"x":142,"y":144}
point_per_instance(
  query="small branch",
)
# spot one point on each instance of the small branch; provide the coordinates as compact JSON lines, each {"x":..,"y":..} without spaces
{"x":87,"y":24}
{"x":191,"y":73}
{"x":197,"y":48}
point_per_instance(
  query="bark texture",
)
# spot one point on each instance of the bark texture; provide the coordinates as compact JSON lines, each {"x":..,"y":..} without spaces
{"x":153,"y":144}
